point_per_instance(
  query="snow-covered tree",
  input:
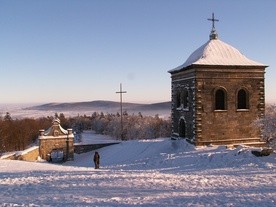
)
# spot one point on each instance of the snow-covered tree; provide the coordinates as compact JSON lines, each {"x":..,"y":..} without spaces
{"x":268,"y":125}
{"x":7,"y":117}
{"x":134,"y":126}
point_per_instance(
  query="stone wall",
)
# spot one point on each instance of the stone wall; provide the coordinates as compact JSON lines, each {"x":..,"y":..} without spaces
{"x":184,"y":80}
{"x":230,"y":125}
{"x":47,"y":145}
{"x":203,"y":124}
{"x":56,"y":139}
{"x":90,"y":147}
{"x":30,"y":154}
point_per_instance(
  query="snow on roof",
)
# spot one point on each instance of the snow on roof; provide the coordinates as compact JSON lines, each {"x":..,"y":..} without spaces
{"x":49,"y":131}
{"x":56,"y":125}
{"x":217,"y":52}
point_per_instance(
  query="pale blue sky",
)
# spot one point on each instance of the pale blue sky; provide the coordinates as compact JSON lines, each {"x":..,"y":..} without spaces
{"x":67,"y":51}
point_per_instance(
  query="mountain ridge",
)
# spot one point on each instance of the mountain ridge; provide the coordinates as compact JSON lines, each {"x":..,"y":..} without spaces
{"x":105,"y":106}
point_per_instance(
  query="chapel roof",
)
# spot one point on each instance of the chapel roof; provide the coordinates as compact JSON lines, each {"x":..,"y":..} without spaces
{"x":55,"y":126}
{"x":216,"y":52}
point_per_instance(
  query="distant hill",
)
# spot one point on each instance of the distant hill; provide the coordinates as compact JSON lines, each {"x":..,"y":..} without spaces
{"x":162,"y":108}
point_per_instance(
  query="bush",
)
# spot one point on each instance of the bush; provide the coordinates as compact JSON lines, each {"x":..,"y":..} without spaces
{"x":268,"y":125}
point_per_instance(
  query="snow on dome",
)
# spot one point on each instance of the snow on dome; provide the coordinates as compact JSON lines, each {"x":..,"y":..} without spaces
{"x":55,"y":126}
{"x":217,"y":52}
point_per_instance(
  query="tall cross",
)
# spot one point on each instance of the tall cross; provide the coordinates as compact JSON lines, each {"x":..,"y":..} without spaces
{"x":121,"y":104}
{"x":213,"y":20}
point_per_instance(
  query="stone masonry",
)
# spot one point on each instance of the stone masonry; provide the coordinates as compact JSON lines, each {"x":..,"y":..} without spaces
{"x":56,"y":138}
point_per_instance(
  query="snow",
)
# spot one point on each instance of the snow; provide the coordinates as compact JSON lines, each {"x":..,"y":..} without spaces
{"x":51,"y":129}
{"x":26,"y":151}
{"x":217,"y":52}
{"x":161,"y":172}
{"x":90,"y":137}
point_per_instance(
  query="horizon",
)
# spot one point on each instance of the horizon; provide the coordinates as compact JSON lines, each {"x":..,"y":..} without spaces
{"x":68,"y":51}
{"x":7,"y":105}
{"x":29,"y":110}
{"x":118,"y":101}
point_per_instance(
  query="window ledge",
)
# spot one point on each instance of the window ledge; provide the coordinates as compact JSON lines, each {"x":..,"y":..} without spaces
{"x":219,"y":110}
{"x":182,"y":109}
{"x":242,"y":110}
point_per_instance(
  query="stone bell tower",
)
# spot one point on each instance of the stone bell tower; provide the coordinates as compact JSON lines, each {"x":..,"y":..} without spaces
{"x":217,"y":94}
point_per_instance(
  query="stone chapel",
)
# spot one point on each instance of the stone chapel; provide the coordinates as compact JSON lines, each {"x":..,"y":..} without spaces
{"x":217,"y":94}
{"x":56,"y":143}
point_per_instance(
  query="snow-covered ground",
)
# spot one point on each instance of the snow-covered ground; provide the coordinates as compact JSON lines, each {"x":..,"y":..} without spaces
{"x":159,"y":172}
{"x":90,"y":137}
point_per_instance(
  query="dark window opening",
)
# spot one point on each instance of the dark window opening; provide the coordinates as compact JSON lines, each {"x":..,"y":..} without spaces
{"x":242,"y":99}
{"x":185,"y":98}
{"x":178,"y":100}
{"x":182,"y":128}
{"x":220,"y":100}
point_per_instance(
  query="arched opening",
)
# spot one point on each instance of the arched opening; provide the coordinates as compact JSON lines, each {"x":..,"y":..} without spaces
{"x":220,"y":99}
{"x":182,"y":128}
{"x":242,"y":102}
{"x":185,"y":98}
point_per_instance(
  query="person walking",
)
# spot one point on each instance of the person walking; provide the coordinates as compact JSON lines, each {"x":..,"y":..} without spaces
{"x":96,"y":160}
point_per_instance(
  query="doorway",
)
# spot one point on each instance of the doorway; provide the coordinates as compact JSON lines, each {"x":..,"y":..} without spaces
{"x":182,"y":128}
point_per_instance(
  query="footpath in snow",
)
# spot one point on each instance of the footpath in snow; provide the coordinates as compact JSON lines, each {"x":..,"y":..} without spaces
{"x":160,"y":172}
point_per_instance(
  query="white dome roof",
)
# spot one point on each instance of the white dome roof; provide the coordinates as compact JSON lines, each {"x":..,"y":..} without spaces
{"x":217,"y":52}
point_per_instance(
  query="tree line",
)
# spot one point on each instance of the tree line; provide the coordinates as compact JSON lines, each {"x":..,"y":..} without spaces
{"x":135,"y":126}
{"x":19,"y":134}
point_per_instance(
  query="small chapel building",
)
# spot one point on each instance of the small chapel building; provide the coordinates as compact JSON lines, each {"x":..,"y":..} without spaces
{"x":56,"y":144}
{"x":217,"y":95}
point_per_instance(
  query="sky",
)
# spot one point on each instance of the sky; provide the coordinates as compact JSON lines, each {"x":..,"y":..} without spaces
{"x":71,"y":51}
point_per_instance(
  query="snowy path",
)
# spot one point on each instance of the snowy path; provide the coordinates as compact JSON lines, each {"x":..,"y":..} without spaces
{"x":144,"y":173}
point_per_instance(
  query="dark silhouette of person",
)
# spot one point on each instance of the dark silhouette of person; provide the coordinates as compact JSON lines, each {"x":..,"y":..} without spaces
{"x":96,"y":160}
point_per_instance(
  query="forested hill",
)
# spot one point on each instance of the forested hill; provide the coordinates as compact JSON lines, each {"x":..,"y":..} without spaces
{"x":106,"y":106}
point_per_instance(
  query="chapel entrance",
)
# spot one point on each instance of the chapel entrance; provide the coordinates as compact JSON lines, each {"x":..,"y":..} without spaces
{"x":182,"y":128}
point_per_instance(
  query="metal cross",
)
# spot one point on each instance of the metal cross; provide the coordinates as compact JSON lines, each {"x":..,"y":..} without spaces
{"x":213,"y":20}
{"x":121,"y":104}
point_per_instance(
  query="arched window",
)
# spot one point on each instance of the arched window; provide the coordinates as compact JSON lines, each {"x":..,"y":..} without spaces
{"x":242,"y":99}
{"x":185,"y":98}
{"x":220,"y":99}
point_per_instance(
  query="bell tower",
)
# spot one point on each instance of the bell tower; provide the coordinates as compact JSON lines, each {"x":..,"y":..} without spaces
{"x":217,"y":94}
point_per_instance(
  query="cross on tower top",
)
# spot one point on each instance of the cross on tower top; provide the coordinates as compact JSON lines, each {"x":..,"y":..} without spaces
{"x":213,"y":34}
{"x":213,"y":20}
